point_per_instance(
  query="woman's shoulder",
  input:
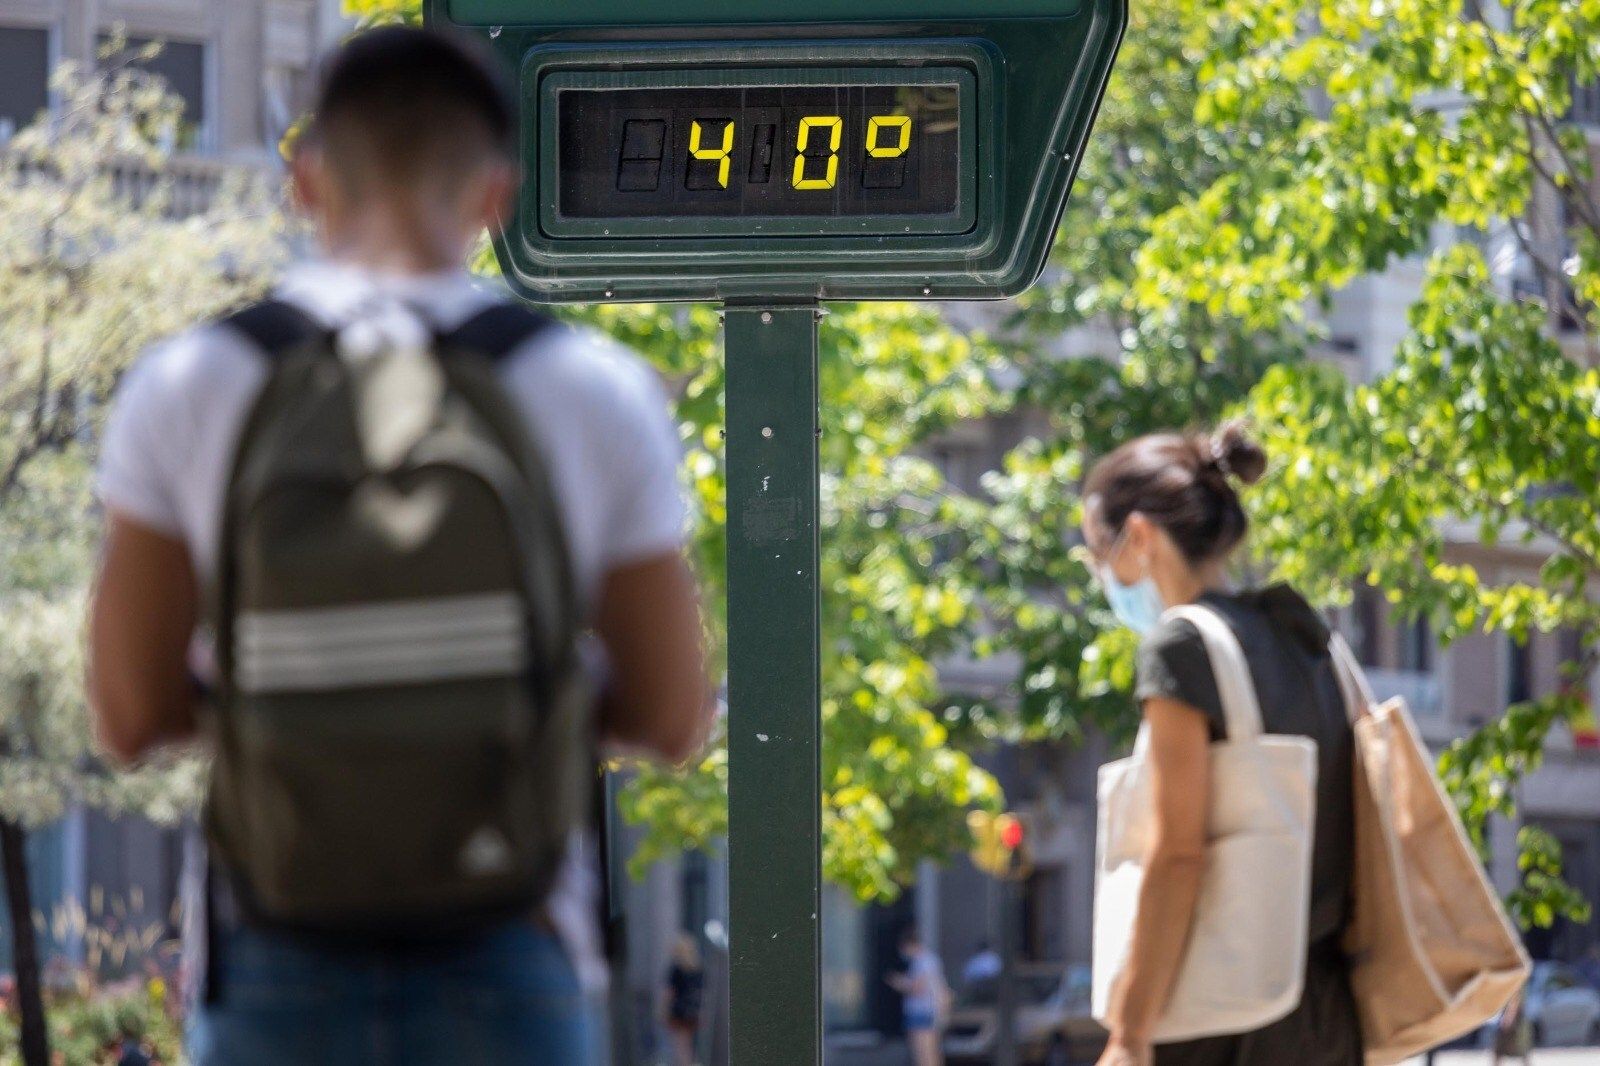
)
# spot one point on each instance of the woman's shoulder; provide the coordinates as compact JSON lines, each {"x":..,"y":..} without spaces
{"x":1283,"y":609}
{"x":1173,"y":632}
{"x":1173,"y":658}
{"x":1173,"y":664}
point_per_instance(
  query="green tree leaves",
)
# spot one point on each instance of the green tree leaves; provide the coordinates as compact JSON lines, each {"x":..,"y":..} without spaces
{"x":893,"y":376}
{"x":1435,"y":124}
{"x":95,"y":264}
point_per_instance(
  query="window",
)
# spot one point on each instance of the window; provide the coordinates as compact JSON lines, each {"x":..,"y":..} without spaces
{"x":182,"y":65}
{"x":696,"y":900}
{"x":1570,"y":643}
{"x":24,"y":77}
{"x":1571,"y":312}
{"x":1519,"y":671}
{"x":1044,"y":916}
{"x":1586,"y":102}
{"x":1416,"y":646}
{"x":846,"y":986}
{"x":47,"y":855}
{"x":1365,"y":615}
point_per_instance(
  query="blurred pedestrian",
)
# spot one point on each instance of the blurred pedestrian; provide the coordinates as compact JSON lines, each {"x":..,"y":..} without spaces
{"x":1588,"y":967}
{"x":1162,"y":520}
{"x":131,"y":1051}
{"x":1513,"y":1032}
{"x":925,"y":998}
{"x":686,"y":982}
{"x":983,"y":965}
{"x":397,"y":500}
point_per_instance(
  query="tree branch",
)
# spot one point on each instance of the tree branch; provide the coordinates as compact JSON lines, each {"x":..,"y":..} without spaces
{"x":1573,"y":191}
{"x":1552,"y":276}
{"x":1533,"y":521}
{"x":13,"y":471}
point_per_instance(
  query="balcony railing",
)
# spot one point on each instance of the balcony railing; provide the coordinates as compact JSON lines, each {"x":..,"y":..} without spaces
{"x":189,"y":183}
{"x":1421,"y":691}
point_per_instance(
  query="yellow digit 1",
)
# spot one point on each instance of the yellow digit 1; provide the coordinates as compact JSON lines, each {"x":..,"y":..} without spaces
{"x":835,"y":127}
{"x":901,"y":124}
{"x":713,"y":155}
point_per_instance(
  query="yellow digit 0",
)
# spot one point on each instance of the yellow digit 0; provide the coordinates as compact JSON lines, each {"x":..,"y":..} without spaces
{"x":901,"y":124}
{"x":719,"y":155}
{"x":835,"y":127}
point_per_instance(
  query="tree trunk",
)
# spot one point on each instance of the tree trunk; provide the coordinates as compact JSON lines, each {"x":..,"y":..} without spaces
{"x":24,"y":944}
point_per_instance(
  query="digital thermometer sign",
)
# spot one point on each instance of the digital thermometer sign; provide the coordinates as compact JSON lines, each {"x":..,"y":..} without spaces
{"x":821,"y":151}
{"x":744,"y":153}
{"x":791,"y":149}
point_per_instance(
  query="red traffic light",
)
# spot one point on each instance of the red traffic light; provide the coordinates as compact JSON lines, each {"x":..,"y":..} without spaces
{"x":1011,"y":833}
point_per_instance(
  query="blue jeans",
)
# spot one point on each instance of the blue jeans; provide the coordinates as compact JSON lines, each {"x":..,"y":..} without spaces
{"x":506,"y":997}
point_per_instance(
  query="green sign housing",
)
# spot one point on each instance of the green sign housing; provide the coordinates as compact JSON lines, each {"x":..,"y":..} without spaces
{"x":938,"y":139}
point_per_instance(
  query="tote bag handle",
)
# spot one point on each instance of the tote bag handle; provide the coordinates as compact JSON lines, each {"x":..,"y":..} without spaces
{"x":1234,"y":684}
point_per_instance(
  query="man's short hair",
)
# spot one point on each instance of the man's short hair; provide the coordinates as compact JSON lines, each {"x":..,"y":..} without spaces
{"x":401,"y":106}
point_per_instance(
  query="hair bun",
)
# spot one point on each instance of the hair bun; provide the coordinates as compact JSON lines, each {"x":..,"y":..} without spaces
{"x":1235,"y":454}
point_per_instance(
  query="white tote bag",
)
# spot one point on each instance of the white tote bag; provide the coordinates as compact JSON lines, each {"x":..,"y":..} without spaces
{"x":1245,"y":961}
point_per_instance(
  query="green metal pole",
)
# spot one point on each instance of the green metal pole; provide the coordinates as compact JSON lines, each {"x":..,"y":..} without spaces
{"x":774,"y":686}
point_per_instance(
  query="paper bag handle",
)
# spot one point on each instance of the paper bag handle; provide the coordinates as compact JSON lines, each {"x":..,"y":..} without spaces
{"x":1358,"y":697}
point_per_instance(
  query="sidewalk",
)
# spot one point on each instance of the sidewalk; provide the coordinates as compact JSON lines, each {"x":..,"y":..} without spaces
{"x":894,"y":1054}
{"x":1541,"y":1057}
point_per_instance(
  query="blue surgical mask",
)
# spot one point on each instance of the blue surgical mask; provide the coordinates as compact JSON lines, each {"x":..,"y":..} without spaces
{"x":1137,"y":606}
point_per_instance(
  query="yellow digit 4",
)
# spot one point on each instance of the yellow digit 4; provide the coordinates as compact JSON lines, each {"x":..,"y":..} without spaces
{"x":835,"y":127}
{"x":719,"y":155}
{"x":901,"y":124}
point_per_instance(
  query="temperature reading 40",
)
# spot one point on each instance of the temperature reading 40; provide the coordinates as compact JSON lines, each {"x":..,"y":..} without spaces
{"x":816,"y":160}
{"x":784,"y":151}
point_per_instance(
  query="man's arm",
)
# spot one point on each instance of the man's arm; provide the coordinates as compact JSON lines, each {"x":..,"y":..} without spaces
{"x":649,"y":621}
{"x":143,"y":615}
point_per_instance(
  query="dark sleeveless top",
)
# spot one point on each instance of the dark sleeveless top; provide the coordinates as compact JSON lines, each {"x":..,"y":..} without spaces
{"x":1285,"y":642}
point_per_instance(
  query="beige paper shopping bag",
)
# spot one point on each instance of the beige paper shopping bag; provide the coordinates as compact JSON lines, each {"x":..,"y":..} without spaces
{"x":1433,"y":955}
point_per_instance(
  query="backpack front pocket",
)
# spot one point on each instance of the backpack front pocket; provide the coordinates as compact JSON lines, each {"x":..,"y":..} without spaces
{"x":353,"y":825}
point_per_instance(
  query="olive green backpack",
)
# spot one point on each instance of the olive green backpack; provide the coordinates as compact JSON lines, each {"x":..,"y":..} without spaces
{"x":403,"y":735}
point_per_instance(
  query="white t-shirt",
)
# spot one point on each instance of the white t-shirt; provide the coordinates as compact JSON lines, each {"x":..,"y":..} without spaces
{"x":595,"y":410}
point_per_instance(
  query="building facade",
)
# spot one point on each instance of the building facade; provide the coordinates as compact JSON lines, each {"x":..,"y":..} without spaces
{"x":106,"y":888}
{"x":244,"y":69}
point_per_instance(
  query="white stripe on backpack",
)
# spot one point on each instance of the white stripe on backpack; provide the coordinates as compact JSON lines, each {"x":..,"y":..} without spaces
{"x":406,"y":642}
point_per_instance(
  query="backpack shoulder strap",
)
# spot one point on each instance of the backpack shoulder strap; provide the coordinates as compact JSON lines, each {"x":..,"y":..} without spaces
{"x":274,"y":326}
{"x":497,"y":331}
{"x":492,"y":335}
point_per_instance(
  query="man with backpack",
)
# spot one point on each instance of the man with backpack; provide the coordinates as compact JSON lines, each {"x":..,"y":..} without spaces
{"x":355,"y":535}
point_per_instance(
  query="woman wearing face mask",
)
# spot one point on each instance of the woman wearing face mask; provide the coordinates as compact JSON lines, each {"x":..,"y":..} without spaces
{"x":1161,"y":520}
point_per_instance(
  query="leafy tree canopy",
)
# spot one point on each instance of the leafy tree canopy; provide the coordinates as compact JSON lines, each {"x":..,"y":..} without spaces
{"x":95,"y":264}
{"x":1436,"y":127}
